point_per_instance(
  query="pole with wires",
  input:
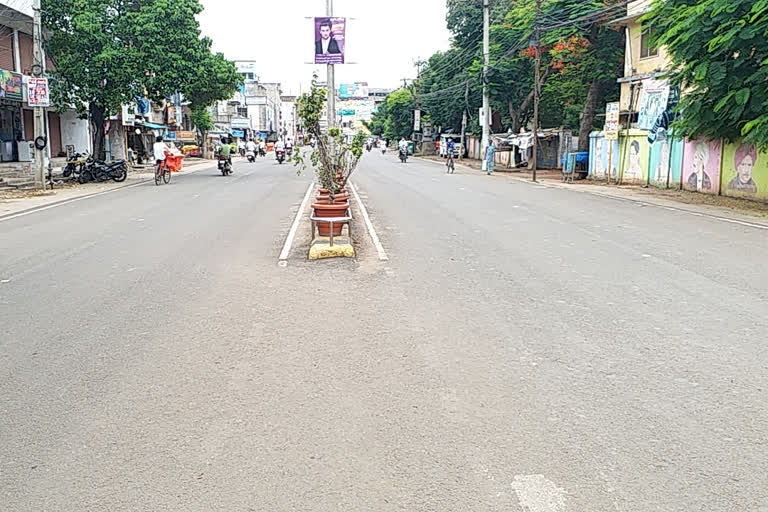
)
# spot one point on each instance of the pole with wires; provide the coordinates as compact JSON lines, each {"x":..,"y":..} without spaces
{"x":39,"y":113}
{"x":537,"y":32}
{"x":464,"y":122}
{"x":486,"y":119}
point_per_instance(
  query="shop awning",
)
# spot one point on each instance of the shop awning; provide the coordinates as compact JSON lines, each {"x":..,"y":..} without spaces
{"x":155,"y":126}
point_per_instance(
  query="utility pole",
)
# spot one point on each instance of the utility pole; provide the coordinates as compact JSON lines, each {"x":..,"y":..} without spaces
{"x":486,"y":120}
{"x":534,"y":160}
{"x":37,"y":49}
{"x":331,"y":77}
{"x":464,"y":122}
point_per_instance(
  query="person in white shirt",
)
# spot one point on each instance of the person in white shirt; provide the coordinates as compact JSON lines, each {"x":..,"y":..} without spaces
{"x":159,"y":150}
{"x":403,"y":145}
{"x":251,"y":146}
{"x":279,"y":146}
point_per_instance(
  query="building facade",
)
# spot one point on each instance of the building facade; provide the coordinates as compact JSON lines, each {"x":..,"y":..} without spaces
{"x":65,"y":131}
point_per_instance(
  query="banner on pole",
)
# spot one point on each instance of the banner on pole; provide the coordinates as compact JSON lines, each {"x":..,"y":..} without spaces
{"x":330,"y":40}
{"x":611,"y":128}
{"x":417,"y":120}
{"x":37,"y":92}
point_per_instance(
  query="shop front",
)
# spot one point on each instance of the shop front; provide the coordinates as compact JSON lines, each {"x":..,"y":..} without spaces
{"x":11,"y":118}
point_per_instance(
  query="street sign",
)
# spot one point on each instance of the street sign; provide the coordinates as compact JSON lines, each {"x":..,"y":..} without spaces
{"x":611,"y":128}
{"x":238,"y":133}
{"x":417,"y":120}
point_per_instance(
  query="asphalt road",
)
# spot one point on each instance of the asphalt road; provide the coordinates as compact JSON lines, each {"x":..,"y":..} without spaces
{"x":524,"y":349}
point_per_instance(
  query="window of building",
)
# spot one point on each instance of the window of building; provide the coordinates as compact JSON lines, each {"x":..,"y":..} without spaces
{"x":646,"y":49}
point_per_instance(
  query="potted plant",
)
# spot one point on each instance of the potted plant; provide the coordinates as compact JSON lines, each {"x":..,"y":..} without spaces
{"x":333,"y":158}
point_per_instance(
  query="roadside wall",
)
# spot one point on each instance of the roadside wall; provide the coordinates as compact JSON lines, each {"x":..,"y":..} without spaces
{"x":701,"y":165}
{"x":665,"y":162}
{"x":634,"y":158}
{"x":744,"y":172}
{"x":599,"y":152}
{"x":75,"y":132}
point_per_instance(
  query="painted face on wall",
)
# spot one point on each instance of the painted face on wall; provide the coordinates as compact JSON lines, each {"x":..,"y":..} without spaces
{"x":745,"y":169}
{"x":634,"y":157}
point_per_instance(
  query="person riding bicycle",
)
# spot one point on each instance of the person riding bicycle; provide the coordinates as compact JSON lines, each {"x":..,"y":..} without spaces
{"x":450,"y":148}
{"x":159,"y":149}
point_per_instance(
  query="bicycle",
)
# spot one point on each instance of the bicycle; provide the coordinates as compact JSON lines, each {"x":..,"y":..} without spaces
{"x":162,"y":172}
{"x":449,"y":164}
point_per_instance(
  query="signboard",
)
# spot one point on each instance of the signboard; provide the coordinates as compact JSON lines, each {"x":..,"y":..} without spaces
{"x":417,"y":120}
{"x":653,"y":102}
{"x":356,"y":90}
{"x":185,"y":135}
{"x":38,"y":93}
{"x":171,"y":136}
{"x":255,"y":100}
{"x":238,"y":133}
{"x":330,"y":40}
{"x":611,"y":128}
{"x":242,"y":123}
{"x":171,"y":115}
{"x":346,"y":112}
{"x":11,"y":85}
{"x":128,"y":115}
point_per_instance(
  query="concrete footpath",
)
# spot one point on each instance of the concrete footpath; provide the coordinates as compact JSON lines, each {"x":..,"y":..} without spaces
{"x":727,"y":209}
{"x":35,"y":200}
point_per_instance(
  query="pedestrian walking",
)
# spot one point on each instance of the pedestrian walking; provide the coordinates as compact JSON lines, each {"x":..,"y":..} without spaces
{"x":490,"y":152}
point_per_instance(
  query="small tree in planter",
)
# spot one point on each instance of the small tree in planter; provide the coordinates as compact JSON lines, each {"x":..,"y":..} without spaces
{"x":333,"y":158}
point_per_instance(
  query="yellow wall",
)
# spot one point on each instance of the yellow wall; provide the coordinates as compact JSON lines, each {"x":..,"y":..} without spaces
{"x":638,"y":66}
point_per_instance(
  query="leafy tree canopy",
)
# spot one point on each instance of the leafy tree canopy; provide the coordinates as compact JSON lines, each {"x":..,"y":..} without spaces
{"x":719,"y":50}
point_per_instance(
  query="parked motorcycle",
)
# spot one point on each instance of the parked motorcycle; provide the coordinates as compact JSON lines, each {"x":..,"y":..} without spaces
{"x":96,"y":170}
{"x":280,"y":154}
{"x":225,"y":166}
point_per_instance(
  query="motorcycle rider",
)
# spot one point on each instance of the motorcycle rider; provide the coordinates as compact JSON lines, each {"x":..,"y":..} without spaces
{"x":250,"y":147}
{"x":262,"y":147}
{"x":403,"y":146}
{"x":288,"y":147}
{"x":279,"y":146}
{"x":225,"y":150}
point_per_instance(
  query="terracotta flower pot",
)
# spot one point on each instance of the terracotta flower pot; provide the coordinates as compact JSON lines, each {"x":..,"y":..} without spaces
{"x":339,"y":198}
{"x":330,"y":210}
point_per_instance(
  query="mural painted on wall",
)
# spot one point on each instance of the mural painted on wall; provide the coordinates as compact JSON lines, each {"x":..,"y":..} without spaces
{"x":598,"y":157}
{"x":701,"y":165}
{"x":666,"y":160}
{"x":634,"y":158}
{"x":744,"y":172}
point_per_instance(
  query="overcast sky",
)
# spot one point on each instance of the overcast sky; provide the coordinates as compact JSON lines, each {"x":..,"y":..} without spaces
{"x":384,"y":42}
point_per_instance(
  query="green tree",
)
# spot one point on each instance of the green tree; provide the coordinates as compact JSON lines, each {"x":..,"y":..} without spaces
{"x":107,"y":52}
{"x":399,"y":121}
{"x":217,"y":79}
{"x":720,"y":54}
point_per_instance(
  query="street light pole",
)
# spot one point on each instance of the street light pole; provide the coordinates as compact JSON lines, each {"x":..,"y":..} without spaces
{"x":37,"y":49}
{"x":331,"y":77}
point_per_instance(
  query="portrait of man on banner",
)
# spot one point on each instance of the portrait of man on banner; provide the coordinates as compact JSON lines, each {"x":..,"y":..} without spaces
{"x":329,"y":40}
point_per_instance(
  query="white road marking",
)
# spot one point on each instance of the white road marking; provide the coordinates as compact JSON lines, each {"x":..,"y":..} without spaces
{"x":295,"y":227}
{"x":369,"y":225}
{"x":537,"y":494}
